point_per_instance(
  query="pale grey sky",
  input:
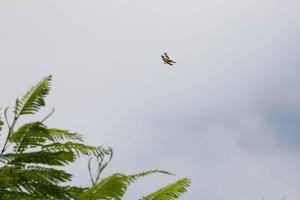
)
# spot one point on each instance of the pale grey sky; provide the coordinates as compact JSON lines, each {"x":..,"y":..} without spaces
{"x":227,"y":115}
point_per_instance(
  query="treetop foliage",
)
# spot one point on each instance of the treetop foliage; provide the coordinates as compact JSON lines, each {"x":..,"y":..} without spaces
{"x":31,"y":154}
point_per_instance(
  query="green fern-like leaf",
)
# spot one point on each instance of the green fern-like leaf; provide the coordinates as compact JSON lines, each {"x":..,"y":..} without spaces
{"x":29,"y":135}
{"x":134,"y":177}
{"x":54,"y":176}
{"x":74,"y":191}
{"x":36,"y":134}
{"x":170,"y":192}
{"x":33,"y":100}
{"x":8,"y":195}
{"x":34,"y":180}
{"x":61,"y":134}
{"x":41,"y":157}
{"x":113,"y":187}
{"x":74,"y":147}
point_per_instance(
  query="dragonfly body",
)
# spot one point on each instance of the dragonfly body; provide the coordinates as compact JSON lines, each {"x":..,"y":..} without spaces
{"x":167,"y":60}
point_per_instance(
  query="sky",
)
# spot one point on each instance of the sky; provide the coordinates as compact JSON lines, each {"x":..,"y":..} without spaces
{"x":227,"y":115}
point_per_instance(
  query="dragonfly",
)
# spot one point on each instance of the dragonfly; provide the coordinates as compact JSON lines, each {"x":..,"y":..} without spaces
{"x":167,"y":60}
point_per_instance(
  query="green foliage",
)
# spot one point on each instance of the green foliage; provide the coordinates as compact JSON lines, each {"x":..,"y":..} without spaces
{"x":169,"y":192}
{"x":60,"y":134}
{"x":29,"y":136}
{"x":31,"y":154}
{"x":74,"y":147}
{"x":114,"y":186}
{"x":41,"y":157}
{"x":34,"y":99}
{"x":38,"y":181}
{"x":134,"y":177}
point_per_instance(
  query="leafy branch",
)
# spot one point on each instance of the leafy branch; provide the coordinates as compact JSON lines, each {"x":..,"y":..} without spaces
{"x":29,"y":170}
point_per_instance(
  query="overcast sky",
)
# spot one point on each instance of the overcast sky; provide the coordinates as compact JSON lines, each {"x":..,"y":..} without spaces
{"x":227,"y":115}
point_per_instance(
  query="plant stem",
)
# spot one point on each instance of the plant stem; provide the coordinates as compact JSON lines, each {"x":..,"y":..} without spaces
{"x":10,"y":130}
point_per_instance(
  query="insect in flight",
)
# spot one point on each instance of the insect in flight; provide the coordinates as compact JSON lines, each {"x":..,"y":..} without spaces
{"x":167,"y":60}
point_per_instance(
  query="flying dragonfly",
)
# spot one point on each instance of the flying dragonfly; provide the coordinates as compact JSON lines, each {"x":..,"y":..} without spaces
{"x":167,"y":60}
